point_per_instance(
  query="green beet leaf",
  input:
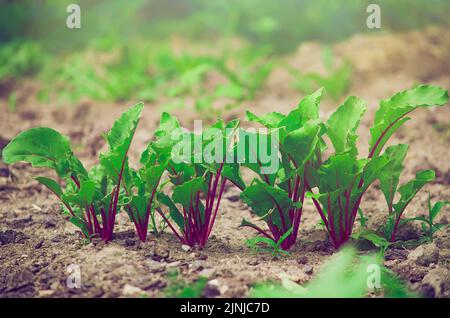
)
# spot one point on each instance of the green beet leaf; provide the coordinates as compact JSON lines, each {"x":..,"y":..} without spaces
{"x":342,"y":124}
{"x":42,"y":147}
{"x":391,"y":114}
{"x":265,"y":200}
{"x":390,"y":175}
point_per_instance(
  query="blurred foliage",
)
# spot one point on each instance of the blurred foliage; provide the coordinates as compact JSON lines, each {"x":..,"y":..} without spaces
{"x":156,"y":72}
{"x":282,"y":25}
{"x":345,"y":275}
{"x":178,"y":287}
{"x":336,"y":82}
{"x":141,"y":50}
{"x":20,"y":58}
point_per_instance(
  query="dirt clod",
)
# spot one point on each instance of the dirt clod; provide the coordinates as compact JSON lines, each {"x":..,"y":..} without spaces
{"x":11,"y":236}
{"x":424,"y":255}
{"x":437,"y":282}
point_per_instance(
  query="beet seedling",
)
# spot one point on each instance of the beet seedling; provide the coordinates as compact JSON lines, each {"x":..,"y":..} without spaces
{"x":343,"y":179}
{"x":274,"y":248}
{"x":198,"y":183}
{"x":277,"y":196}
{"x":141,"y":188}
{"x":91,"y":198}
{"x":429,"y":227}
{"x":389,"y":179}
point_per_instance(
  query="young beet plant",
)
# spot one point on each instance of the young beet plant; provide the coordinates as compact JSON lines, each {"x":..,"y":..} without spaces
{"x":91,"y":198}
{"x":198,"y":172}
{"x":293,"y":144}
{"x":141,"y":189}
{"x":389,"y":179}
{"x":343,"y":178}
{"x":429,"y":227}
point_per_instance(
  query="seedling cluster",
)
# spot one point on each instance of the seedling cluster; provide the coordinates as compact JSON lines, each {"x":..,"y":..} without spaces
{"x":317,"y":160}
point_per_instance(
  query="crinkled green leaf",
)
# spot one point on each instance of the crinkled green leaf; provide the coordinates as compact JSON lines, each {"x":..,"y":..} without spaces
{"x":163,"y":134}
{"x":390,"y":174}
{"x":259,"y":152}
{"x":269,"y":120}
{"x":232,"y":173}
{"x":300,"y":144}
{"x":152,"y":176}
{"x":307,"y":109}
{"x":43,"y":147}
{"x":84,"y":196}
{"x":139,"y":204}
{"x":338,"y":171}
{"x":184,"y":193}
{"x":342,"y":124}
{"x":175,"y":214}
{"x":52,"y":185}
{"x":408,"y":190}
{"x":119,"y":140}
{"x":123,"y":128}
{"x":390,"y":115}
{"x":266,"y":201}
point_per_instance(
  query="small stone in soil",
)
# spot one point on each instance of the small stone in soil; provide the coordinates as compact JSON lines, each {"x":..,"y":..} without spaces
{"x":215,"y":286}
{"x":253,"y":262}
{"x":159,"y":254}
{"x":308,"y":269}
{"x":197,"y":265}
{"x":132,"y":291}
{"x":46,"y":293}
{"x":438,"y":280}
{"x":302,"y":260}
{"x":174,"y":264}
{"x":185,"y":248}
{"x":207,"y":272}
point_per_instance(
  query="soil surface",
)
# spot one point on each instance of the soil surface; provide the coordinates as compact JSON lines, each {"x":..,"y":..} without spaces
{"x":38,"y":245}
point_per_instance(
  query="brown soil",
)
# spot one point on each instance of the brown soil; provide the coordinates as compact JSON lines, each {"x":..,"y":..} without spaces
{"x":37,"y":243}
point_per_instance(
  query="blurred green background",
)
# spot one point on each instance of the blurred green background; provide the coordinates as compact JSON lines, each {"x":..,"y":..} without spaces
{"x":282,"y":24}
{"x":155,"y":50}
